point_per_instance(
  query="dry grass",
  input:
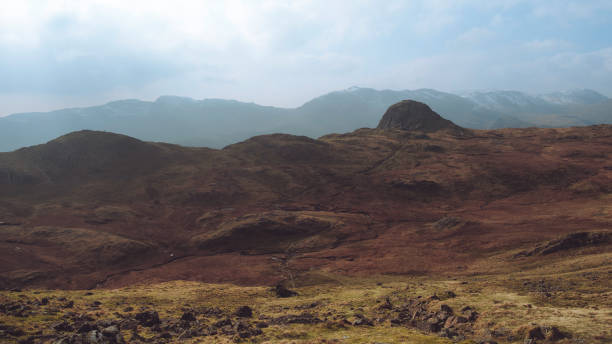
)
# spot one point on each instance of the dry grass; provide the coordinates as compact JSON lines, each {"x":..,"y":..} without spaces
{"x":504,"y":306}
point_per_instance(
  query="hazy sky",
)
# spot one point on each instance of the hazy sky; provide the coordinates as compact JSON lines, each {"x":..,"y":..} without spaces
{"x":56,"y":54}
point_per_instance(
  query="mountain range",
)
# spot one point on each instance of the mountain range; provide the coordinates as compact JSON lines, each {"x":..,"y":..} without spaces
{"x":471,"y":236}
{"x":216,"y":123}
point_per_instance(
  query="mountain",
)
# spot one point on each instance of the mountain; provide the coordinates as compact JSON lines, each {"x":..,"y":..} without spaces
{"x":416,"y":195}
{"x":216,"y":123}
{"x":416,"y":116}
{"x":417,"y":229}
{"x":558,"y":109}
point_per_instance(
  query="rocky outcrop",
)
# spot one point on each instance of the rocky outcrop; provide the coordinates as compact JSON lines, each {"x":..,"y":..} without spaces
{"x":416,"y":116}
{"x":570,"y":241}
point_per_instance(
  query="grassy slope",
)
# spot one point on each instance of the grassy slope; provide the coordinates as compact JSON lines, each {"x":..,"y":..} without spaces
{"x":575,"y":298}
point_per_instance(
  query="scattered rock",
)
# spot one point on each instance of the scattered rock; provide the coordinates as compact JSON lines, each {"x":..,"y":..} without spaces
{"x":570,"y":241}
{"x":534,"y":333}
{"x":244,"y":312}
{"x":94,"y":337}
{"x":62,"y":326}
{"x":553,"y":334}
{"x":362,"y":321}
{"x":282,"y":291}
{"x":110,"y":331}
{"x":87,"y":327}
{"x":148,"y":318}
{"x":68,"y":304}
{"x":188,"y":316}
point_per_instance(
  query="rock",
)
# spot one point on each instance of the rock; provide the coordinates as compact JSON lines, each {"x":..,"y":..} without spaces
{"x":471,"y":315}
{"x":111,"y":331}
{"x":387,"y":305}
{"x":362,"y":321}
{"x":188,"y":316}
{"x":553,"y":334}
{"x":428,"y":326}
{"x":454,"y":320}
{"x":62,"y":326}
{"x":94,"y":337}
{"x":223,"y":323}
{"x":148,"y":318}
{"x":534,"y":333}
{"x":417,"y":116}
{"x":281,"y":291}
{"x":87,"y":327}
{"x":244,"y":312}
{"x":449,"y":294}
{"x":68,"y":304}
{"x":262,"y":324}
{"x":446,"y":308}
{"x":570,"y":241}
{"x":128,"y":309}
{"x":44,"y":301}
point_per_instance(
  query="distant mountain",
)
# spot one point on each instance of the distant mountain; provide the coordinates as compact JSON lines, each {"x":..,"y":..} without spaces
{"x":558,"y":109}
{"x":218,"y":122}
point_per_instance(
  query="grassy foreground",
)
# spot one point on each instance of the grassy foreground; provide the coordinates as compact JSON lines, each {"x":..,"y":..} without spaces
{"x":574,"y":306}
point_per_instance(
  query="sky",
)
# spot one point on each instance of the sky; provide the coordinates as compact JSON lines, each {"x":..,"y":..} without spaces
{"x":56,"y":54}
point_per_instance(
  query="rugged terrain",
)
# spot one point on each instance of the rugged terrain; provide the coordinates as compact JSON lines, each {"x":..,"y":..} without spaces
{"x":522,"y":216}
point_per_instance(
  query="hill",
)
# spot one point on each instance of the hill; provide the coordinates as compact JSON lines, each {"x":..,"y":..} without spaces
{"x":353,"y":195}
{"x":216,"y":123}
{"x":420,"y":224}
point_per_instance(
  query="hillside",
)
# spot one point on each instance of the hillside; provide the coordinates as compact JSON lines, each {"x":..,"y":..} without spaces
{"x":378,"y":230}
{"x":352,"y":195}
{"x":216,"y":123}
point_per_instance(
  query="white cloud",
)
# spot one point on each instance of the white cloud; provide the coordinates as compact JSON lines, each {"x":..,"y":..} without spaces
{"x":475,"y":35}
{"x":283,"y":52}
{"x":548,"y":44}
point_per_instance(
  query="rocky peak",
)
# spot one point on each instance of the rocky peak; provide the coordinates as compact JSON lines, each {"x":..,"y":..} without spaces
{"x":413,"y":115}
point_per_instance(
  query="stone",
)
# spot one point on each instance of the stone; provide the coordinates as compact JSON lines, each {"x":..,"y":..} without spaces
{"x":281,"y":291}
{"x":147,"y":318}
{"x":188,"y":316}
{"x":62,"y":326}
{"x":244,"y":312}
{"x":111,"y":331}
{"x":534,"y":333}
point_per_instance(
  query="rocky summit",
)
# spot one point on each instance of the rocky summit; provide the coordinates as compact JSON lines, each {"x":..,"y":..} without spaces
{"x":416,"y":116}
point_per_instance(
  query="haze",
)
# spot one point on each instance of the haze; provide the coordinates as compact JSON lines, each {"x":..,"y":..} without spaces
{"x":59,"y":54}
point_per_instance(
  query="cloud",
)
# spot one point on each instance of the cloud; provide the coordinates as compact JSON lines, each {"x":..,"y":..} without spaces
{"x":283,"y":52}
{"x":475,"y":35}
{"x":548,"y":44}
